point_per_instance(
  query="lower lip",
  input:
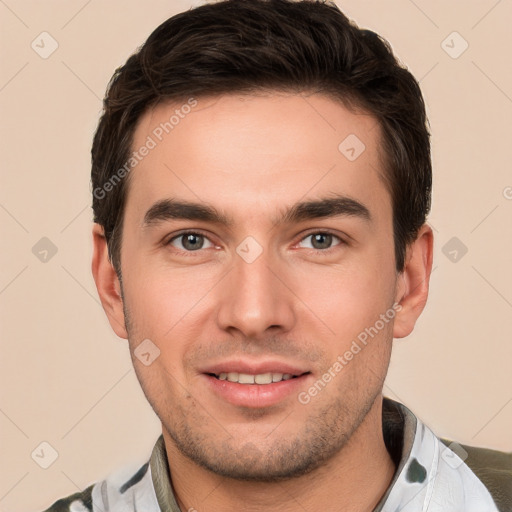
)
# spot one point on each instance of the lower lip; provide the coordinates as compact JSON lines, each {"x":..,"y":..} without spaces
{"x":256,"y":395}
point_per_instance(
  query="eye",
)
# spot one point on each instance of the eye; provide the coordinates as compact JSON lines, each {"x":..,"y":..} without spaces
{"x":322,"y":240}
{"x":190,"y":241}
{"x":193,"y":241}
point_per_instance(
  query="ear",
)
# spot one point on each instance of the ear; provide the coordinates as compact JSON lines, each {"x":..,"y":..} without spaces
{"x":413,"y":282}
{"x":107,"y":283}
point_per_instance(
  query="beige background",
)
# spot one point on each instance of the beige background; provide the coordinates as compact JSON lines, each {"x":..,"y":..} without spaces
{"x":68,"y":380}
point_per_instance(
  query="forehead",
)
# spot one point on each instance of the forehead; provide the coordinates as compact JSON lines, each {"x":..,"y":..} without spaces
{"x":255,"y":153}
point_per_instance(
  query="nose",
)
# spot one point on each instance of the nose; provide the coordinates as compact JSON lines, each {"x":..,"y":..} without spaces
{"x":256,"y":298}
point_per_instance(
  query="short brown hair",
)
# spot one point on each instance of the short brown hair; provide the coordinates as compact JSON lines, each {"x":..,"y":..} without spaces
{"x":238,"y":46}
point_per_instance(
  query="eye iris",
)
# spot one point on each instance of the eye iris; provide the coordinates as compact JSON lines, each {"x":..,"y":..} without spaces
{"x":189,"y":239}
{"x":326,"y":237}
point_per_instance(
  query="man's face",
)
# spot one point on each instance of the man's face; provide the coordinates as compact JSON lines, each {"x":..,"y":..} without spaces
{"x":265,"y":294}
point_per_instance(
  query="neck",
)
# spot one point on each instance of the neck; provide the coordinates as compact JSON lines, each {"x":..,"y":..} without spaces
{"x":354,"y":480}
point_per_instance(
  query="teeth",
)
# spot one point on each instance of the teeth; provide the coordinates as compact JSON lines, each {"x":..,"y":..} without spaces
{"x":262,"y":378}
{"x":245,"y":378}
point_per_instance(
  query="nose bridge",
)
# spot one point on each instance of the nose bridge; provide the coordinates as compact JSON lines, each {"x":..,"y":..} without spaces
{"x":254,"y":298}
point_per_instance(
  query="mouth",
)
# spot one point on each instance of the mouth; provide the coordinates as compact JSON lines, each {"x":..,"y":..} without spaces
{"x":255,"y":388}
{"x":260,"y":379}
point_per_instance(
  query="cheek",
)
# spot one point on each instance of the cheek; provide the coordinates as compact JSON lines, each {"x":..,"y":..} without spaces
{"x":167,"y":306}
{"x":348,"y":297}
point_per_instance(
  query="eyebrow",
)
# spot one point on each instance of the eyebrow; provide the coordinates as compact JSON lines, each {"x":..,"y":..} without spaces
{"x":174,"y":209}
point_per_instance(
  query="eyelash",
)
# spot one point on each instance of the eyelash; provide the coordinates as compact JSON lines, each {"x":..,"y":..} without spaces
{"x":318,"y":251}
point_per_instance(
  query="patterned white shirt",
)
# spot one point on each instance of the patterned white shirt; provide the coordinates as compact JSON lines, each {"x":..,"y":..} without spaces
{"x":433,"y":475}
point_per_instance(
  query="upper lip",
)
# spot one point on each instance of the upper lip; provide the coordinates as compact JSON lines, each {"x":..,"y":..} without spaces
{"x":254,"y":367}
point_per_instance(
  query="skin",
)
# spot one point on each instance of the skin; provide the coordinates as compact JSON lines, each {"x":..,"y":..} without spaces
{"x":251,"y":157}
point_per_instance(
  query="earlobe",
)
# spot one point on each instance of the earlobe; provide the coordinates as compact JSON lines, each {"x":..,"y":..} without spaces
{"x":107,"y":283}
{"x":413,"y":285}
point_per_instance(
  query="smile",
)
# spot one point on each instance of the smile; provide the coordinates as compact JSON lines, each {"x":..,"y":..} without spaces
{"x":255,"y":390}
{"x":246,"y":378}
